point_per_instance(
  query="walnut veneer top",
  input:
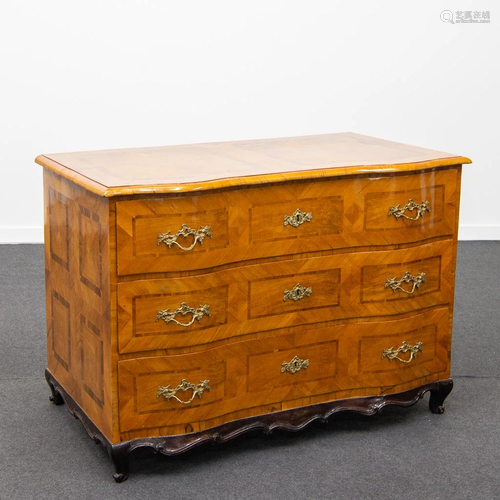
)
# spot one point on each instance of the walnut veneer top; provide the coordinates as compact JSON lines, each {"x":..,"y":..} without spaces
{"x":199,"y":167}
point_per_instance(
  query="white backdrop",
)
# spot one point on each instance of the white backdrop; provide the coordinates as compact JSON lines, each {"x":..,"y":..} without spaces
{"x":123,"y":73}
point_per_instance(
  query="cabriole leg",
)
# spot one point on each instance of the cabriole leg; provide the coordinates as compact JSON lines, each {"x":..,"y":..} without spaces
{"x":120,"y":456}
{"x":55,"y":397}
{"x":438,"y":395}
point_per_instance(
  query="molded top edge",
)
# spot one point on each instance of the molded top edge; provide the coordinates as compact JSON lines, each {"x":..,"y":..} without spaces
{"x":200,"y":167}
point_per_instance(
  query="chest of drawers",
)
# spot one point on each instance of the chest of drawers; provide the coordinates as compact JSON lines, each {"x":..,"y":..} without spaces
{"x":197,"y":292}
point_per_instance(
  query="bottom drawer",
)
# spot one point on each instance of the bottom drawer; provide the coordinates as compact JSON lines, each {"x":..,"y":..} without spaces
{"x":296,"y":366}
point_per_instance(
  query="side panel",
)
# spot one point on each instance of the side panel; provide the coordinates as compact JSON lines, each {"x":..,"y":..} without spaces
{"x":77,"y":295}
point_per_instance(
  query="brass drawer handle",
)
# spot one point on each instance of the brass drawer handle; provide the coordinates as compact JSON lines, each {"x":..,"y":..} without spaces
{"x":184,"y":386}
{"x":391,"y":354}
{"x":410,"y":206}
{"x":297,"y":292}
{"x":167,"y":316}
{"x":395,"y":284}
{"x":295,"y":365}
{"x":297,"y":218}
{"x":171,"y":239}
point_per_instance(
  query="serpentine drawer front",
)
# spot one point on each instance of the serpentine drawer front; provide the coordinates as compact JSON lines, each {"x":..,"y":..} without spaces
{"x":234,"y":303}
{"x":170,"y":234}
{"x":278,"y":371}
{"x":198,"y":292}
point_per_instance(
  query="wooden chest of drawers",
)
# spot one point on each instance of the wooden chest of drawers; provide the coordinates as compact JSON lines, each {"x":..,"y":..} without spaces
{"x":197,"y":292}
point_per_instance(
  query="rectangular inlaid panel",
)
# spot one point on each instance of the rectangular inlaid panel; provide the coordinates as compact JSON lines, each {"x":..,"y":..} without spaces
{"x":318,"y":216}
{"x":267,"y":373}
{"x":58,"y":224}
{"x":431,"y":331}
{"x":249,"y":224}
{"x":92,"y":360}
{"x":90,"y":248}
{"x":183,"y":313}
{"x":140,"y":380}
{"x":61,"y":329}
{"x":266,"y":297}
{"x":377,"y":206}
{"x":192,"y":229}
{"x":373,"y":277}
{"x":78,"y":296}
{"x":142,"y":327}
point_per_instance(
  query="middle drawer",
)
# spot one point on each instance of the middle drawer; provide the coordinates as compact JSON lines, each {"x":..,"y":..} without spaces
{"x":198,"y":310}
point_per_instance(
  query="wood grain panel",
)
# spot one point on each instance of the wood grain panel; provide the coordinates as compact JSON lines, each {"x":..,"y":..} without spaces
{"x":377,"y":206}
{"x":433,"y":332}
{"x":264,"y":371}
{"x":92,"y":360}
{"x":325,"y":286}
{"x":143,"y":302}
{"x":248,"y":224}
{"x":60,"y":315}
{"x":140,"y":379}
{"x":373,"y":279}
{"x":78,"y":296}
{"x":90,"y":248}
{"x":267,"y":220}
{"x":140,"y":223}
{"x":59,"y":228}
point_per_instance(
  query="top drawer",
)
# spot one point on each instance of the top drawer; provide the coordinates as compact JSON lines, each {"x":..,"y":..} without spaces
{"x":169,"y":234}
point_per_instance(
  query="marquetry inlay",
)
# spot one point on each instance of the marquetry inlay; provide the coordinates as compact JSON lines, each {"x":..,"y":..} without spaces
{"x":92,"y":360}
{"x":61,"y":329}
{"x":90,"y":250}
{"x":59,"y":228}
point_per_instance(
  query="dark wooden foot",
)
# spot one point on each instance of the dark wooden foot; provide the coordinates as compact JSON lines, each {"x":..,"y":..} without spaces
{"x":438,"y":395}
{"x":119,"y":455}
{"x":55,"y":397}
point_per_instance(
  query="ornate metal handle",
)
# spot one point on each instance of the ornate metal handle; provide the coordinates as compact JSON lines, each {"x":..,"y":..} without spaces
{"x":185,"y":231}
{"x":167,"y":316}
{"x":297,"y":292}
{"x":184,"y":386}
{"x":295,"y":365}
{"x":297,"y":218}
{"x":391,"y":354}
{"x":395,"y":284}
{"x":410,"y":206}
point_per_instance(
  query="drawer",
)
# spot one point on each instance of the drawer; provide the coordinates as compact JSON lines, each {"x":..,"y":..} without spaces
{"x":183,"y":233}
{"x":180,"y":391}
{"x":233,"y":303}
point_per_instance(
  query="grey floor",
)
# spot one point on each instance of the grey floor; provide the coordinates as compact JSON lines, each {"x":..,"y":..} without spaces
{"x":402,"y":453}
